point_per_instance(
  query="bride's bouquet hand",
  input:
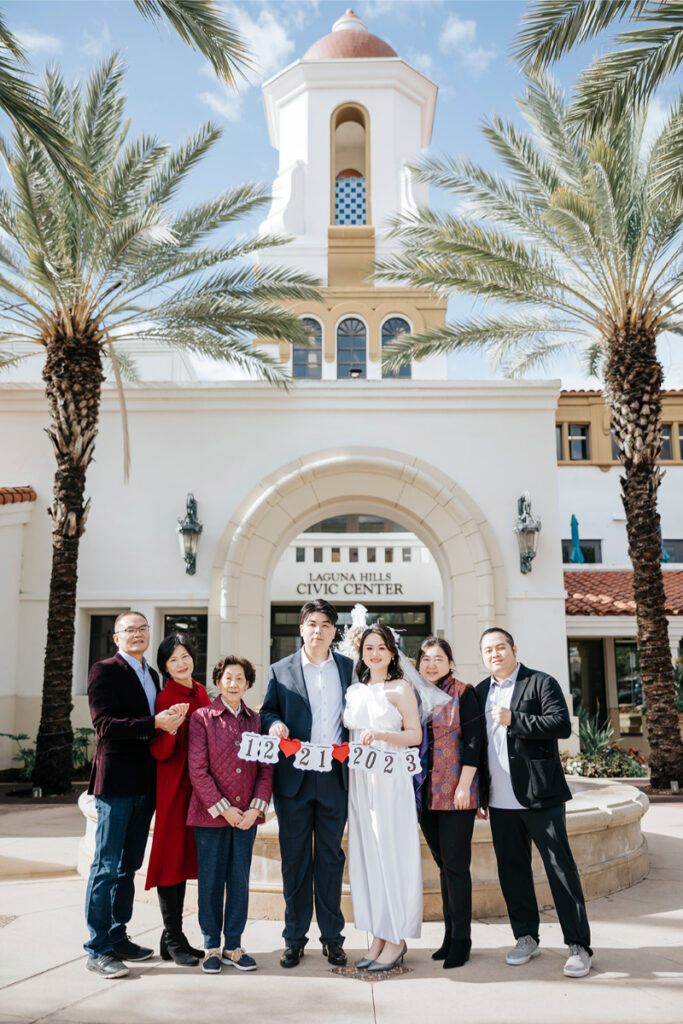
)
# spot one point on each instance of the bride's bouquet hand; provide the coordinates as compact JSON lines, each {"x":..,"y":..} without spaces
{"x":368,"y":737}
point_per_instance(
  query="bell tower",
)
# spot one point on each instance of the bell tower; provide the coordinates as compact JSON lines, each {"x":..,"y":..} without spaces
{"x":347,"y":120}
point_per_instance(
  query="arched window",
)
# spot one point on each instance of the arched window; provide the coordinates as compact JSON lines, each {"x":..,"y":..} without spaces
{"x":349,"y":165}
{"x":307,"y":362}
{"x":352,"y":340}
{"x":391,"y":329}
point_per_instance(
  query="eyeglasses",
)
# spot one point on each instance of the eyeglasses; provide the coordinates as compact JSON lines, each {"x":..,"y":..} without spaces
{"x":132,"y":630}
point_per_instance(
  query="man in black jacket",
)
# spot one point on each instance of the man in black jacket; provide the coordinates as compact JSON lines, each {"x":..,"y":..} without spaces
{"x":121,"y":693}
{"x":526,"y":714}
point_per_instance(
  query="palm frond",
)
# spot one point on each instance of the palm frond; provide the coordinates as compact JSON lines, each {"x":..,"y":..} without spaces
{"x":504,"y":333}
{"x":550,"y":28}
{"x":631,"y":73}
{"x":200,"y":23}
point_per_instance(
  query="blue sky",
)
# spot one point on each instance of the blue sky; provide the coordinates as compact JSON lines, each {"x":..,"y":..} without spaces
{"x":463,"y":46}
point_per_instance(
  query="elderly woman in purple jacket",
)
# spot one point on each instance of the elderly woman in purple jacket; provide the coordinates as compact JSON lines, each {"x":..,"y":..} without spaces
{"x":230,"y":797}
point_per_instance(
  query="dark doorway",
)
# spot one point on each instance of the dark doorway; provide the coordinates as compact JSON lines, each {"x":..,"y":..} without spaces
{"x":412,"y":622}
{"x":587,"y":675}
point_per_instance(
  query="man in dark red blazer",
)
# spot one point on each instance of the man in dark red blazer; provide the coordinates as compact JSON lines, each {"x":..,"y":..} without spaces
{"x":121,"y":692}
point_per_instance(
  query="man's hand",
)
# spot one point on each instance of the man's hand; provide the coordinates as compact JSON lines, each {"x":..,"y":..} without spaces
{"x":501,"y":716}
{"x":169,"y":720}
{"x":482,"y":813}
{"x":280,"y":730}
{"x":233,"y":816}
{"x":249,"y":818}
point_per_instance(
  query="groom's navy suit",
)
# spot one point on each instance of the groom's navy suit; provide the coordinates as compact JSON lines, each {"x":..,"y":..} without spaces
{"x":311,"y":808}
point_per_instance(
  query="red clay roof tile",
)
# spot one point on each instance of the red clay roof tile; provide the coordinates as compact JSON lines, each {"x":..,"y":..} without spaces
{"x":611,"y":592}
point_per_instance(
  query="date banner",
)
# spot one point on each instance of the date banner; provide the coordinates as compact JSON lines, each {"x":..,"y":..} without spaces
{"x":318,"y":757}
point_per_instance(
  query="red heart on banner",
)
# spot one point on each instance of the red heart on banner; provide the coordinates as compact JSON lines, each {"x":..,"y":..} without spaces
{"x":340,"y":751}
{"x":289,"y":747}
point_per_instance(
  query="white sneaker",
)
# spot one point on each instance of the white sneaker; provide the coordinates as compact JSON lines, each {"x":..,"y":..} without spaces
{"x":578,"y":963}
{"x":526,"y":948}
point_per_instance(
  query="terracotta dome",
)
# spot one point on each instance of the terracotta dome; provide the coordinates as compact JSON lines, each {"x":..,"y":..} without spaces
{"x":349,"y":38}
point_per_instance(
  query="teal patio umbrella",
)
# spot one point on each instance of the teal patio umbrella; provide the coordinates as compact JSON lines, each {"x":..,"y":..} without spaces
{"x":576,"y":554}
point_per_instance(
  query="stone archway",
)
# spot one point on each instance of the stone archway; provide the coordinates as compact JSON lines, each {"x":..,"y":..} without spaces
{"x":383,"y":482}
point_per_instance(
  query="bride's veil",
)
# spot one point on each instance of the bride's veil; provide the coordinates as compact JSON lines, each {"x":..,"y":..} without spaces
{"x":429,"y":697}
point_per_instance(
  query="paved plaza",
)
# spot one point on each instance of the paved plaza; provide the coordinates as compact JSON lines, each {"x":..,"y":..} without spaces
{"x":637,"y":934}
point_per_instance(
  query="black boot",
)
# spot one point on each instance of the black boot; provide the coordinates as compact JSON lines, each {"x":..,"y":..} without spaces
{"x":442,"y":951}
{"x":458,"y":953}
{"x":171,"y":946}
{"x":199,"y":953}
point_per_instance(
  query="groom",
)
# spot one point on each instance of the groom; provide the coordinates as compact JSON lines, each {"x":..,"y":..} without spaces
{"x":305,"y":700}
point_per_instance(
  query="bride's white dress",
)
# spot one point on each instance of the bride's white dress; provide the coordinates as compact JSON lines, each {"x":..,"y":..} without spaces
{"x":385,"y":869}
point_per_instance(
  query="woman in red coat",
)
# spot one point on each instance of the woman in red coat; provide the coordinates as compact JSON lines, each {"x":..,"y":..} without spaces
{"x":174,"y":854}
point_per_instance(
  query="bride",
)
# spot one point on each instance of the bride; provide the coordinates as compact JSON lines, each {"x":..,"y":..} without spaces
{"x":384,"y":848}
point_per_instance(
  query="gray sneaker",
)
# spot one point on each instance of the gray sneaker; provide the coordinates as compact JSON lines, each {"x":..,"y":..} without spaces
{"x":578,"y":963}
{"x":526,"y":948}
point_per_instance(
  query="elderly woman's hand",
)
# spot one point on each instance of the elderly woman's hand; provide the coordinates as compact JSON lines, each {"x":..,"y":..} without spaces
{"x":461,"y":800}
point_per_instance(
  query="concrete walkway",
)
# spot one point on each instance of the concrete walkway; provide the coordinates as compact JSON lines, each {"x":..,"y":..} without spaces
{"x":637,"y":975}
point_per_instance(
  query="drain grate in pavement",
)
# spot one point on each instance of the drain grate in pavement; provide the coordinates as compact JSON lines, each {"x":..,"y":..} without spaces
{"x":371,"y":976}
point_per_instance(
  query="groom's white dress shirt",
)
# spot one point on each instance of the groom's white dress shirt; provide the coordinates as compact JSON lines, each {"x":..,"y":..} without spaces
{"x":324,"y":690}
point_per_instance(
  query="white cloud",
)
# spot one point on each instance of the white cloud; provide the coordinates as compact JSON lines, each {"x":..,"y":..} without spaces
{"x":422,"y":61}
{"x":271,"y":47}
{"x":477,"y":60}
{"x":97,"y":46}
{"x":39,"y":42}
{"x":459,"y":38}
{"x":455,"y":32}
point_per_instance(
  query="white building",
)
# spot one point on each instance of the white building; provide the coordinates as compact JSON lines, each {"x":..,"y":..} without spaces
{"x":401,"y":493}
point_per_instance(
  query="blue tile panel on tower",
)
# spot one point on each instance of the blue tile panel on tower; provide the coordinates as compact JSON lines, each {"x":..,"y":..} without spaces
{"x":349,"y":201}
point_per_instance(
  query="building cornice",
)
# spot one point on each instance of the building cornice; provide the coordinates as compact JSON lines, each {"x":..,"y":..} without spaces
{"x":311,"y":396}
{"x":359,"y":74}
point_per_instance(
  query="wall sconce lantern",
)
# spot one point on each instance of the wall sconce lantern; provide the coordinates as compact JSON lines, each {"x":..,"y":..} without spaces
{"x":189,"y":529}
{"x":527,"y":528}
{"x":355,"y":372}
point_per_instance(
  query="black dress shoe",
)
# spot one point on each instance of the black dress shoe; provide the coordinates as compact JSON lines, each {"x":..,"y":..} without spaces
{"x":442,"y":951}
{"x":458,"y":953}
{"x":335,"y":954}
{"x":107,"y":966}
{"x":291,"y":956}
{"x":127,"y":950}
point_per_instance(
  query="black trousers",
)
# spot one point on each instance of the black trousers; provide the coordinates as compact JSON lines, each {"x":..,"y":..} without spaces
{"x":311,"y":826}
{"x":512,"y":833}
{"x":449,"y":838}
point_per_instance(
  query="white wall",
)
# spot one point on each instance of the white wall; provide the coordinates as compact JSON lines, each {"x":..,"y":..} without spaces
{"x":594,"y":497}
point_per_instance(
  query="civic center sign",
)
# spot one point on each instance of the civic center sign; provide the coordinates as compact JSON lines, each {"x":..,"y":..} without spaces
{"x":349,"y":584}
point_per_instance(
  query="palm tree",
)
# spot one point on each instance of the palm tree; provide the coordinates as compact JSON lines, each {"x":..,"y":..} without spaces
{"x":198,"y":22}
{"x":642,"y":58}
{"x":584,"y":251}
{"x":82,"y":288}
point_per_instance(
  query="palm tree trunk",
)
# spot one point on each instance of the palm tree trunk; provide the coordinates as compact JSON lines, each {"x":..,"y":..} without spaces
{"x":633,"y":382}
{"x":73,"y":377}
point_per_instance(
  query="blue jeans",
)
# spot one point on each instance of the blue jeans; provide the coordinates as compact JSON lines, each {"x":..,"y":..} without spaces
{"x":224,"y":860}
{"x":122,"y":829}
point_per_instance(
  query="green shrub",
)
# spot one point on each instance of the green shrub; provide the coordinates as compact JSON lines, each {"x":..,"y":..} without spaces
{"x":83,"y":737}
{"x":26,"y":755}
{"x":610,"y":762}
{"x":594,"y":735}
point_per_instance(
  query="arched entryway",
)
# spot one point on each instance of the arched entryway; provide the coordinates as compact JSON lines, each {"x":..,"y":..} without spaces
{"x":324,"y":483}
